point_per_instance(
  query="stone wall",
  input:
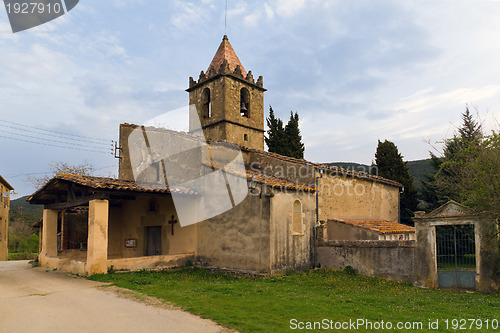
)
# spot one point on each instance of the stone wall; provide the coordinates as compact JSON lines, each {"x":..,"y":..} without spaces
{"x":391,"y":260}
{"x":225,"y":122}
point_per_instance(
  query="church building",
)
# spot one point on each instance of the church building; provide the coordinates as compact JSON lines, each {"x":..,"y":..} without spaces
{"x":94,"y":224}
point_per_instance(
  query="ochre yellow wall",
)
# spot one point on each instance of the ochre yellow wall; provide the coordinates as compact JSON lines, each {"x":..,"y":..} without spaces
{"x":4,"y":223}
{"x":347,"y":198}
{"x":131,"y":220}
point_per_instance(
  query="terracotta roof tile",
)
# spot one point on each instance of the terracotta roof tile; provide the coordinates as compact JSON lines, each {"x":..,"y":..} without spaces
{"x":226,"y":52}
{"x":332,"y":169}
{"x":274,"y":182}
{"x":120,"y":184}
{"x":382,"y":226}
{"x":104,"y":183}
{"x":327,"y":168}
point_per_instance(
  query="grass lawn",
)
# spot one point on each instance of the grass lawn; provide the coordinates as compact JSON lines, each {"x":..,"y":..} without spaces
{"x":22,"y":256}
{"x":267,"y":304}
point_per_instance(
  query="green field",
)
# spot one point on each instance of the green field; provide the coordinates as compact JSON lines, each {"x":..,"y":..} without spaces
{"x":267,"y":304}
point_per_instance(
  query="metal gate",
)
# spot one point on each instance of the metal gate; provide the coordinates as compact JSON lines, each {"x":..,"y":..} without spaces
{"x":456,"y":256}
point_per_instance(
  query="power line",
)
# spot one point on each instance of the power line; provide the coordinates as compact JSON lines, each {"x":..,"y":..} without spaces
{"x":50,"y":135}
{"x":61,"y":133}
{"x":49,"y":172}
{"x":58,"y":146}
{"x":56,"y":141}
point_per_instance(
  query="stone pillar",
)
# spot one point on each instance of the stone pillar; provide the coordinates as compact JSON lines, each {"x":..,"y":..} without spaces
{"x":4,"y":237}
{"x":425,"y":254}
{"x":49,"y":230}
{"x":97,"y":244}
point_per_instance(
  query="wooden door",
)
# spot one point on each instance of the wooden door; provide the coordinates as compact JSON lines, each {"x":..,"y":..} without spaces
{"x":153,"y":241}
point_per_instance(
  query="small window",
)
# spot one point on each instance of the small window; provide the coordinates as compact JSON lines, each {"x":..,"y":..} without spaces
{"x":297,"y":218}
{"x":152,"y":206}
{"x":245,"y":137}
{"x":244,"y":102}
{"x":206,"y":104}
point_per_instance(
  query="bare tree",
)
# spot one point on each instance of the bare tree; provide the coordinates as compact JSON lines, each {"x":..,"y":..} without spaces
{"x":84,"y":169}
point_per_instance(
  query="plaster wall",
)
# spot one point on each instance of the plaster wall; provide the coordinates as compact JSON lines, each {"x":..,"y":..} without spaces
{"x":4,"y":223}
{"x":239,"y":238}
{"x":97,"y":248}
{"x":136,"y":216}
{"x":346,"y":197}
{"x":343,"y":231}
{"x":289,"y":249}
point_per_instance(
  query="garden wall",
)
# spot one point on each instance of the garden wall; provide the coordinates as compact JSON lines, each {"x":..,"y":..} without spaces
{"x":386,"y":259}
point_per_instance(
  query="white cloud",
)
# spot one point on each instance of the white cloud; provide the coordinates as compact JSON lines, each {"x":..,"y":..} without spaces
{"x":289,"y":8}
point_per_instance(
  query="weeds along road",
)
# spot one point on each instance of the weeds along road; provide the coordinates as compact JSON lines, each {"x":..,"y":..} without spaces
{"x":34,"y":300}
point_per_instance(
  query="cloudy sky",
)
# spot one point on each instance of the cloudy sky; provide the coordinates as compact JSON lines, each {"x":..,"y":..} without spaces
{"x":355,"y":71}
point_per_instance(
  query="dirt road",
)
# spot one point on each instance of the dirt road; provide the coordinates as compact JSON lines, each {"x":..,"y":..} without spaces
{"x":34,"y":300}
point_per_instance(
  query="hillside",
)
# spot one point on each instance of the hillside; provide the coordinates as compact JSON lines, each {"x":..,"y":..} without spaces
{"x":20,"y":209}
{"x":419,"y":169}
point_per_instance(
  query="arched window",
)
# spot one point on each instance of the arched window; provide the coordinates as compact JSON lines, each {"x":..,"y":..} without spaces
{"x":206,"y":104}
{"x":297,"y":217}
{"x":244,"y":102}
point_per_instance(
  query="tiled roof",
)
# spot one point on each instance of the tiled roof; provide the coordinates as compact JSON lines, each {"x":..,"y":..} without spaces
{"x":226,"y":52}
{"x":102,"y":183}
{"x":381,"y":226}
{"x":271,"y":181}
{"x":120,"y":184}
{"x":327,"y":168}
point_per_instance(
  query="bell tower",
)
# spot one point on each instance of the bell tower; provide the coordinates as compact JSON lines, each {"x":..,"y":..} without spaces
{"x":229,"y":103}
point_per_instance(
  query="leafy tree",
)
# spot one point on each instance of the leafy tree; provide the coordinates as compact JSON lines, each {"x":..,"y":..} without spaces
{"x":441,"y":187}
{"x":22,"y":239}
{"x":390,"y":165}
{"x":469,"y":172}
{"x":284,"y":140}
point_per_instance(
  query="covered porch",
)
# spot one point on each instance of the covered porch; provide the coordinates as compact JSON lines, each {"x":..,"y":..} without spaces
{"x":93,"y":224}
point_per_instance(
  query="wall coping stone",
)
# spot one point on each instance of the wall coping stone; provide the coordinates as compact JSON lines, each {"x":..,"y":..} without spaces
{"x":368,"y":243}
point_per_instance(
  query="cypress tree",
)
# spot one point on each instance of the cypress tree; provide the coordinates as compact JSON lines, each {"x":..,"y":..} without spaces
{"x":284,"y":140}
{"x":294,"y":146}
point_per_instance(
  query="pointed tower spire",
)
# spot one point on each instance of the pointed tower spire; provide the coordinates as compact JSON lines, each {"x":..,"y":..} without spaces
{"x":226,"y":52}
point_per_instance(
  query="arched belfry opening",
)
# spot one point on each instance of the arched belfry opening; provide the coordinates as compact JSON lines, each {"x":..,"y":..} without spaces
{"x":245,"y":102}
{"x":206,"y":104}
